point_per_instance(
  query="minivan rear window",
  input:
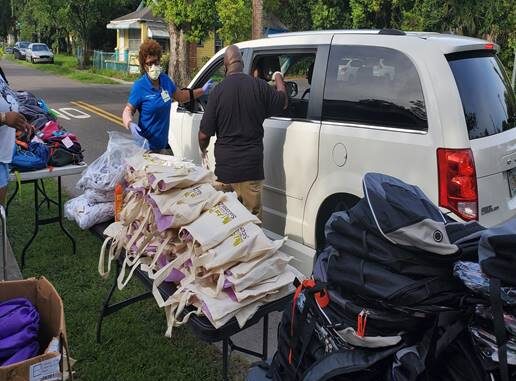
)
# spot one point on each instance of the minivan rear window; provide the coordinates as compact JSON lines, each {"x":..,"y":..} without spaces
{"x":485,"y":91}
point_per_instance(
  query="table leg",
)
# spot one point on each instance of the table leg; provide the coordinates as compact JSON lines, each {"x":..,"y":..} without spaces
{"x":12,"y":196}
{"x":265,"y":337}
{"x":225,"y":359}
{"x":105,"y":306}
{"x":60,"y":207}
{"x":36,"y":223}
{"x":44,"y":194}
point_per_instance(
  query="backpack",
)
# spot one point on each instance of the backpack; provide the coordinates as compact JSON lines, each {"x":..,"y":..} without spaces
{"x":32,"y":159}
{"x":387,"y":275}
{"x":307,"y":349}
{"x":60,"y":155}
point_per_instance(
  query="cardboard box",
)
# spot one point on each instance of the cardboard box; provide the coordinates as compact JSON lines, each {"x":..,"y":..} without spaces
{"x":52,"y":334}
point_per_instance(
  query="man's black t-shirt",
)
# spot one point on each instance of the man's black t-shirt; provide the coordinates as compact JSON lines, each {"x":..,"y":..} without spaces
{"x":236,"y":110}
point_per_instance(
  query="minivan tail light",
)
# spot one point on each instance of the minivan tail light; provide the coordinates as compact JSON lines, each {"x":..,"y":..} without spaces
{"x":458,"y":182}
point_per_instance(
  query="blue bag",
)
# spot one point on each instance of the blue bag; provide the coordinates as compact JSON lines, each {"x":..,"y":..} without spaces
{"x":36,"y":157}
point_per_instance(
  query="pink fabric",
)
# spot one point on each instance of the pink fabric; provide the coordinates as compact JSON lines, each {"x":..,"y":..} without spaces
{"x":49,"y":128}
{"x":163,"y":222}
{"x":175,"y":275}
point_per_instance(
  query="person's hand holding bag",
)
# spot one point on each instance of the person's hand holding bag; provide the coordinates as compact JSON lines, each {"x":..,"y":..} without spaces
{"x":16,"y":121}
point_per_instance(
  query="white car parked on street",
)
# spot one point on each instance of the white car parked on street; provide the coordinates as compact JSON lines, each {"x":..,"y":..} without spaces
{"x":38,"y":52}
{"x":434,"y":110}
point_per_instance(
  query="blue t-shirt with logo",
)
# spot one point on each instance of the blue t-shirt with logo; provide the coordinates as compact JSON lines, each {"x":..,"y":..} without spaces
{"x":154,"y":108}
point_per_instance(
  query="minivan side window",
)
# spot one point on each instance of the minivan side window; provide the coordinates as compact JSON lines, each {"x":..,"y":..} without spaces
{"x":374,"y":86}
{"x":297,"y":69}
{"x":216,"y":74}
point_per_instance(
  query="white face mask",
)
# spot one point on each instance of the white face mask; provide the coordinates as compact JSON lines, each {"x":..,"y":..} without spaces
{"x":154,"y":72}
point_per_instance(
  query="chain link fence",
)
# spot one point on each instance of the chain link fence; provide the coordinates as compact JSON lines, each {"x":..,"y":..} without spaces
{"x":119,"y":61}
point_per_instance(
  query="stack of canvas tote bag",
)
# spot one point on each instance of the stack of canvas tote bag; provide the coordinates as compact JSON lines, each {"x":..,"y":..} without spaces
{"x":178,"y":228}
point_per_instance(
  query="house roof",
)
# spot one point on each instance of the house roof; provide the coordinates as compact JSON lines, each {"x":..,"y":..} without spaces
{"x":141,"y":14}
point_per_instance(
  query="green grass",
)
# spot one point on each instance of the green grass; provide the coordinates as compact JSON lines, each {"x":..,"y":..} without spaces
{"x":134,"y":346}
{"x":66,"y":66}
{"x":117,"y":74}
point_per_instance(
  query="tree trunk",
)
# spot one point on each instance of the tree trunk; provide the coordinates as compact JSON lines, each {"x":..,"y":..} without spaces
{"x":178,"y":56}
{"x":257,"y":31}
{"x":85,"y":57}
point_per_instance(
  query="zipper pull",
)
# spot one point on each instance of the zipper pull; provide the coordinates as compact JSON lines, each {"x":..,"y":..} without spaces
{"x":362,"y":322}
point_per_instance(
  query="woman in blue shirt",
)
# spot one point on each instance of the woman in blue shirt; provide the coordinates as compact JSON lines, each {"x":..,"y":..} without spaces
{"x":152,"y":96}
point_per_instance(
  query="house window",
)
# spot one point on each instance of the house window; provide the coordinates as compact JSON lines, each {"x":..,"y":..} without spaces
{"x":200,"y":44}
{"x":134,"y":39}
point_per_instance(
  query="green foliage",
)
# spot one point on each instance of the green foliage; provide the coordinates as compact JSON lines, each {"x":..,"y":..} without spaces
{"x":165,"y":60}
{"x":196,"y":18}
{"x":236,"y":19}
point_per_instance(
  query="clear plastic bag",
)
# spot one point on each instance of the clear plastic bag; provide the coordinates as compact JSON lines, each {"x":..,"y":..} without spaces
{"x":86,"y":213}
{"x":471,"y":275}
{"x":108,"y":169}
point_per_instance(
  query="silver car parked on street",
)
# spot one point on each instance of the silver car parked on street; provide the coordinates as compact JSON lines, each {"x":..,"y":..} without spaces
{"x":38,"y":52}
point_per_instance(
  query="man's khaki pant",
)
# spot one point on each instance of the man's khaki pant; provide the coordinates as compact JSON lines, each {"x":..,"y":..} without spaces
{"x":249,"y":193}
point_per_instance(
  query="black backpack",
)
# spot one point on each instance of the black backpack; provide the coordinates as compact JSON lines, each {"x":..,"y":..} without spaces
{"x":60,"y":155}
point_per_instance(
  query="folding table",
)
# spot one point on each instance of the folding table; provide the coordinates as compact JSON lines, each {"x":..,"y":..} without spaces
{"x":36,"y":178}
{"x":200,"y":325}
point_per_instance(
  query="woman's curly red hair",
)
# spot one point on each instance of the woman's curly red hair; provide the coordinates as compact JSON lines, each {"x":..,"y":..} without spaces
{"x":148,"y":48}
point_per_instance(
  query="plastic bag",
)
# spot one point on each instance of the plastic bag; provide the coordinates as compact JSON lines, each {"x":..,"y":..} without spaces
{"x":86,"y":213}
{"x":97,"y":196}
{"x":108,"y":169}
{"x":471,"y":275}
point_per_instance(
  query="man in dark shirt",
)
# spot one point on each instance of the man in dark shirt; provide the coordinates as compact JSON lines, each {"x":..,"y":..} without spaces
{"x":235,"y":113}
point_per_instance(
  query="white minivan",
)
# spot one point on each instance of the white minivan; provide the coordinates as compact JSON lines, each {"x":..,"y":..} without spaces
{"x":434,"y":110}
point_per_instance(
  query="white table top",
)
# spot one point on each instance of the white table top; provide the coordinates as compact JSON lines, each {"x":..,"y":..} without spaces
{"x":67,"y":170}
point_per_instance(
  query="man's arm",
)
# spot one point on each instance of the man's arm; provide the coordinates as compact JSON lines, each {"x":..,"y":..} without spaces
{"x":204,"y":141}
{"x":280,"y":86}
{"x":208,"y":126}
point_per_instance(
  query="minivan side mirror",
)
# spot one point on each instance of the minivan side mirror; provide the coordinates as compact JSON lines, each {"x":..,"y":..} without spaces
{"x":292,"y":89}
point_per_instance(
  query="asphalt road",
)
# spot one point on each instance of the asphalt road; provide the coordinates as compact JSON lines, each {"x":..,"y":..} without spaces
{"x":88,"y":110}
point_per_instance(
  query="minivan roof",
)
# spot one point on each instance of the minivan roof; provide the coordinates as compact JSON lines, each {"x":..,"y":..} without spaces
{"x":447,"y":43}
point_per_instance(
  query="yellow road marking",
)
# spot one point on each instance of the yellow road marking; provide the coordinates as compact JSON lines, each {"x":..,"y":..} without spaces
{"x":100,"y":112}
{"x":107,"y":113}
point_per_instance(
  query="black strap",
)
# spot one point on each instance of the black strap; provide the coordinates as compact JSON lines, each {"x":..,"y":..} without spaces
{"x":453,"y":326}
{"x":191,"y":95}
{"x":499,"y":326}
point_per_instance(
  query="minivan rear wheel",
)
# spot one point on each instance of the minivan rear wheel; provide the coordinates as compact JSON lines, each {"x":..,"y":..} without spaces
{"x":334,"y":203}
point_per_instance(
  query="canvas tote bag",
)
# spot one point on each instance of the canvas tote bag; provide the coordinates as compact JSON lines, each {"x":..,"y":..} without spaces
{"x":217,"y":223}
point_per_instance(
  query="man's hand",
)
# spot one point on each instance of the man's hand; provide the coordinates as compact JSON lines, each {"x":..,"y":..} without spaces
{"x":18,"y":122}
{"x":280,"y":86}
{"x":277,"y":77}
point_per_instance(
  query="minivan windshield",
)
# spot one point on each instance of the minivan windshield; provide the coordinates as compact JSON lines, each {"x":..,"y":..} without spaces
{"x":487,"y":97}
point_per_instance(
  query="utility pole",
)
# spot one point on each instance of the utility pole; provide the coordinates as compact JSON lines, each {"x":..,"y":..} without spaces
{"x":257,"y":28}
{"x":514,"y":71}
